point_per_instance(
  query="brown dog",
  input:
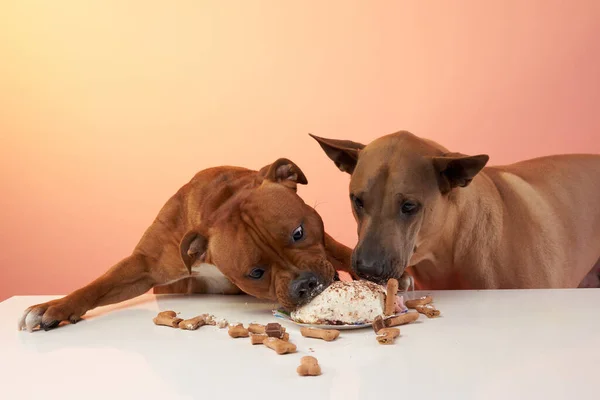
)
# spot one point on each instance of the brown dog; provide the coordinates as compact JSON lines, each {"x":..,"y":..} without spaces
{"x":458,"y":225}
{"x":251,"y":224}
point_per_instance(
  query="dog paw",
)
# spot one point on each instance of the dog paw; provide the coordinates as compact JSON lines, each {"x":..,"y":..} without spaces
{"x":48,"y":315}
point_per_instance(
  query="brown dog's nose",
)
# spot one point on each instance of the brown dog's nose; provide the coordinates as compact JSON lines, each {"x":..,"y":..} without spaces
{"x":305,"y":287}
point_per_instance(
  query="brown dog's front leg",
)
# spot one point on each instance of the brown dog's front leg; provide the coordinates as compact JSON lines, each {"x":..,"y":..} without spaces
{"x":339,"y":256}
{"x":131,"y":277}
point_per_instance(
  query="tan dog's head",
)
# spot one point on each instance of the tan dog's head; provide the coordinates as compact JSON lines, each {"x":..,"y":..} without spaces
{"x":265,"y":239}
{"x":400,"y":188}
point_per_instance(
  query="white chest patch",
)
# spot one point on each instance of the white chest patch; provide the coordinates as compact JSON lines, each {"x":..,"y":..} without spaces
{"x":213,"y":278}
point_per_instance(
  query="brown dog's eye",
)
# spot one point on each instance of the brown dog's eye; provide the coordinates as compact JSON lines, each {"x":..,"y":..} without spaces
{"x":409,"y":207}
{"x":298,"y":234}
{"x":256,"y":273}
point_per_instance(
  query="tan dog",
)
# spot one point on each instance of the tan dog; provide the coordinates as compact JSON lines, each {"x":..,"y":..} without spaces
{"x":251,"y":224}
{"x":458,"y":225}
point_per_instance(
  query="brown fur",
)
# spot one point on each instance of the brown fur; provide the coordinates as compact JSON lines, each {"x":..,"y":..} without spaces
{"x":232,"y":217}
{"x":533,"y":224}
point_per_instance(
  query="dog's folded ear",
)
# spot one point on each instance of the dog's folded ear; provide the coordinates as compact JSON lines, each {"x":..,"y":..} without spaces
{"x":343,"y":153}
{"x":458,"y":170}
{"x":285,"y":172}
{"x":192,"y":247}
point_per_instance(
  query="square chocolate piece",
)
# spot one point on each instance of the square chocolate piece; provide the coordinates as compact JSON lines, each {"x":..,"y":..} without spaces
{"x":275,"y":330}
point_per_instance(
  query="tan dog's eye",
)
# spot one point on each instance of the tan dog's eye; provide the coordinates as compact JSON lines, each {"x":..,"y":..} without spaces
{"x":298,"y":234}
{"x":409,"y":207}
{"x":256,"y":273}
{"x":357,"y":203}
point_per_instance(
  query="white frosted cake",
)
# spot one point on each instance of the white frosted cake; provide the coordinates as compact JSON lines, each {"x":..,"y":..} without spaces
{"x":343,"y":303}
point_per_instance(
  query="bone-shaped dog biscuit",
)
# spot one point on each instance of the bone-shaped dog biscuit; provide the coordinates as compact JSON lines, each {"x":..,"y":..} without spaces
{"x":326,"y":334}
{"x":401,"y":319}
{"x":428,"y":310}
{"x":388,"y":335}
{"x":256,"y":328}
{"x":258,"y":338}
{"x":238,"y":331}
{"x":418,"y":302}
{"x":309,"y":366}
{"x":390,"y":298}
{"x":167,"y":318}
{"x":193,"y":323}
{"x":279,"y":346}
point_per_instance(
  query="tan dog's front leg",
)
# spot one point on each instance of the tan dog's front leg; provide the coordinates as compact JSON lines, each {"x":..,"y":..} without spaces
{"x":129,"y":278}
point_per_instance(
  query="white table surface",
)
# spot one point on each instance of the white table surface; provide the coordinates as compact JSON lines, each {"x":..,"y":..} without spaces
{"x":529,"y":344}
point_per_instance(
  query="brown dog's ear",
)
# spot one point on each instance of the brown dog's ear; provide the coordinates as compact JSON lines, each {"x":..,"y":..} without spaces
{"x":285,"y":172}
{"x":343,"y":153}
{"x":192,"y":246}
{"x":339,"y":256}
{"x":458,"y":170}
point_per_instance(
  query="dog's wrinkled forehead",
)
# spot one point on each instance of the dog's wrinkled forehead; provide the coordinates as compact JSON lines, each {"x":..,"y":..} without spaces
{"x":276,"y":203}
{"x":408,"y":172}
{"x":404,"y":159}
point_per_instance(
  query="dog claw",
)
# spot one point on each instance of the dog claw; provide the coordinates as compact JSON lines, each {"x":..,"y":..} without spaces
{"x":48,"y":326}
{"x":46,"y":316}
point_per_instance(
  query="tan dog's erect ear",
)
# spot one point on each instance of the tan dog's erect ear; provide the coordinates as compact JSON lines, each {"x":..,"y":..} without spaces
{"x":343,"y":153}
{"x":458,"y":170}
{"x":285,"y":172}
{"x":192,"y":246}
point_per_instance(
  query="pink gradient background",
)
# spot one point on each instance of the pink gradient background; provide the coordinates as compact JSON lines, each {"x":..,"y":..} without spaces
{"x":108,"y":107}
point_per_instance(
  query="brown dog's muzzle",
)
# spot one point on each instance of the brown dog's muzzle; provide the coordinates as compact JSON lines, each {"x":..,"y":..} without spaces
{"x":306,"y":285}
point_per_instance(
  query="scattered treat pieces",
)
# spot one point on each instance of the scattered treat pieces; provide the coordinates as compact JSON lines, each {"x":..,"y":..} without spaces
{"x":428,"y":310}
{"x":193,"y":323}
{"x":222,"y":323}
{"x":279,"y":346}
{"x":418,"y":302}
{"x":238,"y":331}
{"x":401,"y":319}
{"x":285,"y":337}
{"x":390,"y":298}
{"x":326,"y":334}
{"x":210,"y":319}
{"x":378,"y":324}
{"x":275,"y":330}
{"x":167,"y":318}
{"x":388,"y":335}
{"x":309,"y":366}
{"x":167,"y":314}
{"x":256,"y":328}
{"x":258,"y":338}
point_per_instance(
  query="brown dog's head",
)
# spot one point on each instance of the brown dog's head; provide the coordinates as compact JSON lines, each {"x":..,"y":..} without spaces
{"x":265,"y":239}
{"x":400,"y":189}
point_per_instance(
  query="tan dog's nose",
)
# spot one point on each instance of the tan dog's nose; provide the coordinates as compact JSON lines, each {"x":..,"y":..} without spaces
{"x":368,"y":269}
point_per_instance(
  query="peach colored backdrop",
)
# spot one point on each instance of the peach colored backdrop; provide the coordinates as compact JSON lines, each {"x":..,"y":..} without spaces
{"x":108,"y":107}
